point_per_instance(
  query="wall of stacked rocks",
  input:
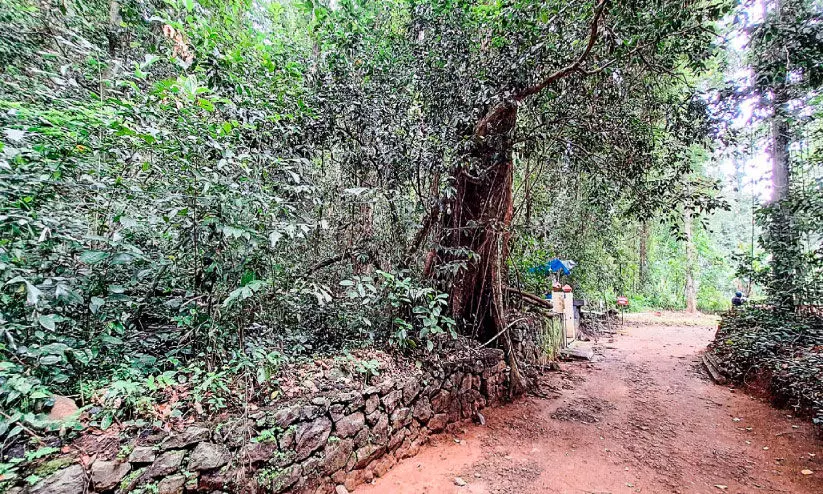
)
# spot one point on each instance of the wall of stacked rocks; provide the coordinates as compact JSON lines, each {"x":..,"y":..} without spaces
{"x":530,"y":336}
{"x":330,"y":442}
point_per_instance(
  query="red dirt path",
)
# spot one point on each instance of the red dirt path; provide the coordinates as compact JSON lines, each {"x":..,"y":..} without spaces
{"x":644,"y":419}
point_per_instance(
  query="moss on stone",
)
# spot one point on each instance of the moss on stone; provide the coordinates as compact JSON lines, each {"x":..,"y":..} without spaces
{"x":49,"y":467}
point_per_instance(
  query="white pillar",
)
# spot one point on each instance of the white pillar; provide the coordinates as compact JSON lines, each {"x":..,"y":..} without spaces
{"x":557,"y":302}
{"x":568,"y":315}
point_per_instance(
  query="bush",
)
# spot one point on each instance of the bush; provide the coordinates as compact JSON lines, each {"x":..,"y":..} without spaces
{"x":785,"y":347}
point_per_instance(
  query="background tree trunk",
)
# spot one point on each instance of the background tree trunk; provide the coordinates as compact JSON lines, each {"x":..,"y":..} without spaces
{"x":691,"y":291}
{"x":643,"y":254}
{"x":785,"y":246}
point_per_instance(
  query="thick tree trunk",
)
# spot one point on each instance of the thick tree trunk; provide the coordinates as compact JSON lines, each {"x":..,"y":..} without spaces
{"x":780,"y":156}
{"x":479,"y":224}
{"x":781,"y":238}
{"x":691,"y":291}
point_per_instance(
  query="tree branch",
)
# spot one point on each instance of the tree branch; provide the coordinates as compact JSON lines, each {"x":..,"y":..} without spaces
{"x":568,"y":69}
{"x":328,"y":262}
{"x":529,"y":297}
{"x":421,"y":235}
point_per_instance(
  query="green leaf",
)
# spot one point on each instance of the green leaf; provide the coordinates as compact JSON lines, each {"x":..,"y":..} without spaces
{"x":127,"y":222}
{"x":205,"y":104}
{"x":54,"y":348}
{"x":262,"y":374}
{"x":32,"y":292}
{"x":93,"y":256}
{"x":67,"y":295}
{"x":83,"y":356}
{"x":37,"y":395}
{"x":95,"y":304}
{"x":111,"y":340}
{"x":238,"y":294}
{"x":149,"y":60}
{"x":233,"y":232}
{"x":48,"y":321}
{"x":50,"y":360}
{"x":256,"y":285}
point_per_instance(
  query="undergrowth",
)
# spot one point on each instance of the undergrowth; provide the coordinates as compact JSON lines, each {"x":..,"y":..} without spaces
{"x":787,"y":348}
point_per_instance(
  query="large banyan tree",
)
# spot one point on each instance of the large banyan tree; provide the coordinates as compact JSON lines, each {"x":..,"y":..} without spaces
{"x":601,"y":89}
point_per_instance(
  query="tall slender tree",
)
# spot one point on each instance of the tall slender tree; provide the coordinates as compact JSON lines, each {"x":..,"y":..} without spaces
{"x":785,"y":55}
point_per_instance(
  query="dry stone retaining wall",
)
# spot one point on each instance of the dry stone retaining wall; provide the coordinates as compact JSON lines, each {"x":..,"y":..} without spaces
{"x":329,"y":442}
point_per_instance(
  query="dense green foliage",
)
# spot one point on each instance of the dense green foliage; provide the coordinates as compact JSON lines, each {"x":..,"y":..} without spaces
{"x":199,"y":191}
{"x":139,"y":204}
{"x":757,"y":344}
